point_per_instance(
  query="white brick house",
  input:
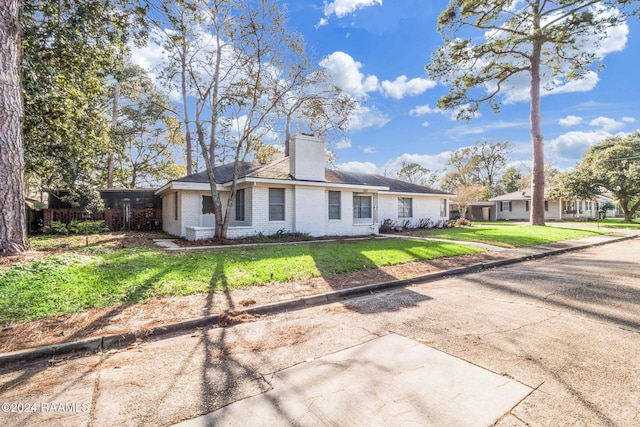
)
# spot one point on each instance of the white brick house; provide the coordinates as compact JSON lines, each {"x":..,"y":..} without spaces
{"x":297,"y":193}
{"x":516,"y":206}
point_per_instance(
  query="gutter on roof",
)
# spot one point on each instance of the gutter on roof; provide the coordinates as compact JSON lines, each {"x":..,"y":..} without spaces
{"x":180,"y":185}
{"x":324,"y":184}
{"x":404,"y":193}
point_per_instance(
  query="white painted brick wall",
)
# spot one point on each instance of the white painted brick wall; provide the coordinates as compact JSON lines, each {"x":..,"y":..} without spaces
{"x":345,"y":225}
{"x":310,"y":210}
{"x":169,"y":224}
{"x":260,"y":211}
{"x":519,"y":211}
{"x":423,"y":207}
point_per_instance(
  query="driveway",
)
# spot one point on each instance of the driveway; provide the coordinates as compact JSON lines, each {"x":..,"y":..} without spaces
{"x":565,"y":330}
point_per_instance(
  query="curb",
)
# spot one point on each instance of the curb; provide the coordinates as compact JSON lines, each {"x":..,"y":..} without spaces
{"x":107,"y":342}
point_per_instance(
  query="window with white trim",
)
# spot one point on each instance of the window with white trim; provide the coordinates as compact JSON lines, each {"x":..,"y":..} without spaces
{"x":443,"y":207}
{"x":362,"y":208}
{"x":505,"y":207}
{"x":334,"y":204}
{"x":405,"y":207}
{"x":276,"y":204}
{"x":239,"y":202}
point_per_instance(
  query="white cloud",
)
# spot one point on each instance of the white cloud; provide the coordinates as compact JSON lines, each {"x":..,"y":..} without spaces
{"x":341,"y":8}
{"x":477,"y":130}
{"x":321,"y":23}
{"x":570,"y":121}
{"x":369,"y":150}
{"x":425,"y":124}
{"x":342,"y":144}
{"x":435,"y":162}
{"x":151,"y":55}
{"x":401,"y":87}
{"x":572,"y":145}
{"x":345,"y":72}
{"x":421,"y":110}
{"x":358,"y":167}
{"x":606,"y":124}
{"x":628,"y":119}
{"x":365,"y":117}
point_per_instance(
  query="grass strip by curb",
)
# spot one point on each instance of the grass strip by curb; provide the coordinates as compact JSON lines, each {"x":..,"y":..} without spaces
{"x":106,"y":342}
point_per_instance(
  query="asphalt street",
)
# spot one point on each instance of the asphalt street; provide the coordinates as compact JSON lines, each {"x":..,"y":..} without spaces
{"x":565,"y":329}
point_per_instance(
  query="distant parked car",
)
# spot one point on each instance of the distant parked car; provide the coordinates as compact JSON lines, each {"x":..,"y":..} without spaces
{"x":453,"y":215}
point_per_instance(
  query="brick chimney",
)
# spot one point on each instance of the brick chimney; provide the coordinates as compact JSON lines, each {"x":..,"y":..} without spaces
{"x":306,"y":158}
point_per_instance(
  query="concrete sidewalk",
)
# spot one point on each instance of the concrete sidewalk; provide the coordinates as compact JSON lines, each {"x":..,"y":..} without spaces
{"x":107,"y":342}
{"x":387,"y":381}
{"x":561,"y":335}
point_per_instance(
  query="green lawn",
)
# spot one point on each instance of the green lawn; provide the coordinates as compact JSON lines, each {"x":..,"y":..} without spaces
{"x":617,"y":223}
{"x":77,"y":280}
{"x":509,"y":235}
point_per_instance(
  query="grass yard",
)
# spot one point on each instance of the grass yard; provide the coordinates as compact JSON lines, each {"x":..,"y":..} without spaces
{"x":617,"y":223}
{"x":100,"y":275}
{"x":508,"y":235}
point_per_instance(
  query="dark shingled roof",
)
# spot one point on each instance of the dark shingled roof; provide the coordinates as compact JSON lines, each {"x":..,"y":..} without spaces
{"x":222,"y":173}
{"x":394,"y":185}
{"x":280,"y":170}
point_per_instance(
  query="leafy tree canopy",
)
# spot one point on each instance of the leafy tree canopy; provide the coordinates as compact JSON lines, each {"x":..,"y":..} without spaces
{"x":69,"y":47}
{"x":610,"y":166}
{"x":416,"y":174}
{"x":480,"y":163}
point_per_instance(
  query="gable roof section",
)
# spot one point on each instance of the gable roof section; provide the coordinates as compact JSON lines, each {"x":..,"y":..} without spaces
{"x":222,"y":174}
{"x":279,"y":170}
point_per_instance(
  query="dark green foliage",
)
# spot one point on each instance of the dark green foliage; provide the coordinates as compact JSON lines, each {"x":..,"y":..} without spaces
{"x":70,"y":47}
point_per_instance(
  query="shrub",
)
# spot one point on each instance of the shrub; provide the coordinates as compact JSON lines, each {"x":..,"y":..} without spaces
{"x":283,"y":234}
{"x":76,"y":227}
{"x":56,"y":227}
{"x":425,"y":223}
{"x":462,"y":222}
{"x":387,"y":226}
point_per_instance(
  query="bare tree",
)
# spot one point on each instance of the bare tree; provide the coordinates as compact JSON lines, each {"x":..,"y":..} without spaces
{"x":242,"y":63}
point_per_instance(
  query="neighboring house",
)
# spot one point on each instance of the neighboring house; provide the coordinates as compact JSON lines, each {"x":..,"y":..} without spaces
{"x":298,"y":194}
{"x":517,"y":205}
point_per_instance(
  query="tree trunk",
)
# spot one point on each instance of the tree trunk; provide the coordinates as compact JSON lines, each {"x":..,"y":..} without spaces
{"x":13,"y":233}
{"x":114,"y":126}
{"x":185,"y":106}
{"x":537,"y":139}
{"x":629,"y":209}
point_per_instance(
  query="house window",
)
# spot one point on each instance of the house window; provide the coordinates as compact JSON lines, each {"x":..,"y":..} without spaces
{"x":405,"y":207}
{"x":334,"y":205}
{"x":526,"y":205}
{"x":569,"y":206}
{"x":207,"y":205}
{"x":240,"y":205}
{"x":175,"y":206}
{"x":276,"y":204}
{"x":546,"y":205}
{"x":362,"y":207}
{"x":505,"y":206}
{"x":443,"y":207}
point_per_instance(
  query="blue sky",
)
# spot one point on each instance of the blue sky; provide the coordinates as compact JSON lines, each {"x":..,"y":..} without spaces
{"x":380,"y":44}
{"x":376,"y":50}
